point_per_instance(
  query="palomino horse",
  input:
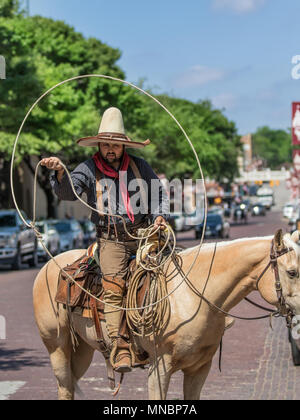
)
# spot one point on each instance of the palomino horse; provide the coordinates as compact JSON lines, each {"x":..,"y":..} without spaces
{"x":225,"y":275}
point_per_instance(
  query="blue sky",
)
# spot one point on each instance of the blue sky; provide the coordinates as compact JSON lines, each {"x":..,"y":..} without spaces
{"x":237,"y":53}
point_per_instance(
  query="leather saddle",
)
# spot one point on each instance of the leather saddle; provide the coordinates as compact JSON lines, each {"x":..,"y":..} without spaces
{"x":87,"y":274}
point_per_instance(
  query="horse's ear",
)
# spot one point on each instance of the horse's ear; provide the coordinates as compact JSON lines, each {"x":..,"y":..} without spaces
{"x":295,"y":236}
{"x":278,"y":240}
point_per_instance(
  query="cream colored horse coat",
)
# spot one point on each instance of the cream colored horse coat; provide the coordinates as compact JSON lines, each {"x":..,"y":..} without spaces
{"x":194,"y":330}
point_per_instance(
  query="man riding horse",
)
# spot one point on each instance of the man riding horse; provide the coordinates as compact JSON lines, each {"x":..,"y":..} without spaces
{"x":111,"y":170}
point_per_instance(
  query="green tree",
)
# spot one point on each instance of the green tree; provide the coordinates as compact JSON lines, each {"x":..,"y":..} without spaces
{"x":41,"y":52}
{"x":9,"y":8}
{"x":214,"y":137}
{"x":272,"y":146}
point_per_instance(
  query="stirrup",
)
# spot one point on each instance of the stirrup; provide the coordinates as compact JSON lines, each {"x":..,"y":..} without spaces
{"x":123,"y":363}
{"x":120,"y":359}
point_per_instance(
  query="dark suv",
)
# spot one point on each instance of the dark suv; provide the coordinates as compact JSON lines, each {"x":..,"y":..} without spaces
{"x":18,"y":243}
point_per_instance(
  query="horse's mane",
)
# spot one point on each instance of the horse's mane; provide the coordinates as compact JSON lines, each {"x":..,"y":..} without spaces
{"x":209,"y":245}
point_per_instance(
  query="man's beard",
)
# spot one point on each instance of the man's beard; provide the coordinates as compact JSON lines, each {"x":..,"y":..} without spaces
{"x":111,"y":158}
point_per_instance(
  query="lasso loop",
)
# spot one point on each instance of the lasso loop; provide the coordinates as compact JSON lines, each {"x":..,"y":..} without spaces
{"x":32,"y":224}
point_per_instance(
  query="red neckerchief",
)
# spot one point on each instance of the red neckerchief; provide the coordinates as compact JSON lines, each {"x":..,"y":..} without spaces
{"x":112,"y":173}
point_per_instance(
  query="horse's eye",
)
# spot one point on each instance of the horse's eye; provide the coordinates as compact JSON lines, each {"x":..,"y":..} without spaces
{"x":292,"y":273}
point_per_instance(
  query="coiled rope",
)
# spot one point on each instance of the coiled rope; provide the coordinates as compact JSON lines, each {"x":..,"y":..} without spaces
{"x":147,"y":322}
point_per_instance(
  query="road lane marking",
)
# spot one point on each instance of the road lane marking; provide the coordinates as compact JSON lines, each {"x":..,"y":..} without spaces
{"x":8,"y":388}
{"x":2,"y":328}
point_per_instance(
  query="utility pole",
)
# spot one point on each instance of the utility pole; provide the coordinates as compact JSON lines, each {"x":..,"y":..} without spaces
{"x":27,"y":7}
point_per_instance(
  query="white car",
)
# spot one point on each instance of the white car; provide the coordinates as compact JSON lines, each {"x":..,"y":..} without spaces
{"x":265,"y":196}
{"x":288,"y":210}
{"x":50,"y":238}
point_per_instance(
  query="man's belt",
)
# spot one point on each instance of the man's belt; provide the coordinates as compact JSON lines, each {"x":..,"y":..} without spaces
{"x":118,"y":232}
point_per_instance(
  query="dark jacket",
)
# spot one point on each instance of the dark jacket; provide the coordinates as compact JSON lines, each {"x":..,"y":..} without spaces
{"x":84,"y":180}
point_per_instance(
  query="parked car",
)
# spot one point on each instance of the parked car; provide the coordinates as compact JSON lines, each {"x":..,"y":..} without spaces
{"x":288,"y":210}
{"x":50,"y":237}
{"x":295,"y":215}
{"x":258,"y":209}
{"x":70,"y":232}
{"x":18,"y":243}
{"x":89,"y":232}
{"x":216,"y":225}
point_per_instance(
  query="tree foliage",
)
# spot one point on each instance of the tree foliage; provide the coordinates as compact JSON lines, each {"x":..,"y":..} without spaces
{"x":41,"y":52}
{"x":214,"y":138}
{"x":272,"y":146}
{"x":9,"y":8}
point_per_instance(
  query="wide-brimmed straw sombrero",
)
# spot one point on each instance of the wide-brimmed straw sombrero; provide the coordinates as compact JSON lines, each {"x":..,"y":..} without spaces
{"x":111,"y":130}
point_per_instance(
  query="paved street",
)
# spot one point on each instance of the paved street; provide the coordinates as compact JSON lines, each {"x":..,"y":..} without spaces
{"x":256,"y":361}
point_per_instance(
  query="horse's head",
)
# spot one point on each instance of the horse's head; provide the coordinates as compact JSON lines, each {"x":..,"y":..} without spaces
{"x":284,"y":273}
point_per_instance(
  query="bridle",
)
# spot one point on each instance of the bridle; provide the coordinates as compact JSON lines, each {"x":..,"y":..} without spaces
{"x":283,"y":309}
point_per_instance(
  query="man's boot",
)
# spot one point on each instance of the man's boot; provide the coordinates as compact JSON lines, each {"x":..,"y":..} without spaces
{"x":113,"y":295}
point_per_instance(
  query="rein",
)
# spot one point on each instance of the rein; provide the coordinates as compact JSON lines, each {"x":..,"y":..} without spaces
{"x":283,"y":311}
